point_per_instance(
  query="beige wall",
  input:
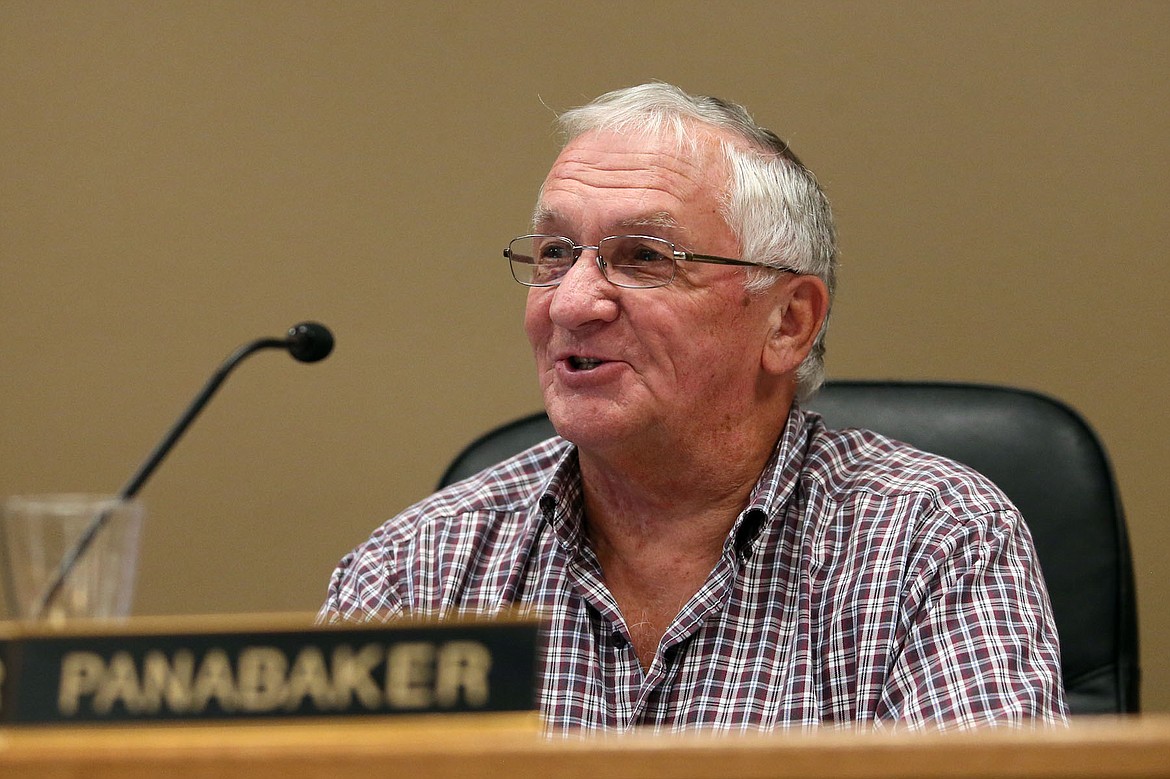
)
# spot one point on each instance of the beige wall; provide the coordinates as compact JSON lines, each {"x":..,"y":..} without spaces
{"x":179,"y":177}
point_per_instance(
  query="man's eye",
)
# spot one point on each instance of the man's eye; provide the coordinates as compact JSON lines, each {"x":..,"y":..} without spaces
{"x":557,"y":252}
{"x":638,"y":252}
{"x":645,"y":254}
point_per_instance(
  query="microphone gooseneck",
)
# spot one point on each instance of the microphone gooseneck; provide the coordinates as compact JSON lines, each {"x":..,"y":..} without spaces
{"x":306,"y":342}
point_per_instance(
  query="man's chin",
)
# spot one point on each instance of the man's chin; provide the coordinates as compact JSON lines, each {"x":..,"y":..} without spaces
{"x":592,"y":426}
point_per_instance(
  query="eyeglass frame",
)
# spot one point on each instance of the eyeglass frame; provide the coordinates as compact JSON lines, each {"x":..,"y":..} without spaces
{"x":677,"y":255}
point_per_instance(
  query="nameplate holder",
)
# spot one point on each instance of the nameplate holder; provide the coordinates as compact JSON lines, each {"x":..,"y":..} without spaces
{"x":182,"y":669}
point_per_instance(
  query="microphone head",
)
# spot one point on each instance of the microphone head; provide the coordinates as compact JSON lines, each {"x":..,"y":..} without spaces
{"x":309,"y":341}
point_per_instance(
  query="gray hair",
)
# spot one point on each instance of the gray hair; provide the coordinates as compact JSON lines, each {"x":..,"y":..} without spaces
{"x":773,"y":203}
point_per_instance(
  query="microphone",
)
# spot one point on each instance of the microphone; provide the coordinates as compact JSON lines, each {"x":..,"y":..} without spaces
{"x":309,"y":342}
{"x":306,"y":342}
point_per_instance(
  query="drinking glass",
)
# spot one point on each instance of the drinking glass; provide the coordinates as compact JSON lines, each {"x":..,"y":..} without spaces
{"x":39,"y":532}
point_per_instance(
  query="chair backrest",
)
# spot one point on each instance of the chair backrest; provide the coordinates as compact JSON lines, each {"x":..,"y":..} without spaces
{"x":1048,"y":461}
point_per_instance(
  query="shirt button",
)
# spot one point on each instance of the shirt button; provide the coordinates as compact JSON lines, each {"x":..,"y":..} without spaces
{"x":619,"y":641}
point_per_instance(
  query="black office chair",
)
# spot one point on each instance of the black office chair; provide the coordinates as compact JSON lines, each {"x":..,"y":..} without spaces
{"x":1048,"y":461}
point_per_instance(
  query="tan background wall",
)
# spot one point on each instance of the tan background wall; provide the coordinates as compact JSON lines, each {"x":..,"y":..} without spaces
{"x":177,"y":178}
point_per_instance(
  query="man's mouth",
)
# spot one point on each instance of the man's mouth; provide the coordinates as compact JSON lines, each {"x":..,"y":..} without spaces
{"x":584,"y":363}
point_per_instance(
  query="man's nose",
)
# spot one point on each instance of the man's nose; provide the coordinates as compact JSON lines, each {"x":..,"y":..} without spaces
{"x":584,"y":294}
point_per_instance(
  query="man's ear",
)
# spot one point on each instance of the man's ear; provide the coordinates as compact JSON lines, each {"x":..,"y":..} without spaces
{"x":797,"y":317}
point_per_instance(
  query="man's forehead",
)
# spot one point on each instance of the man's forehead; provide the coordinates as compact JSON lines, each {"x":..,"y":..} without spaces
{"x":632,"y":182}
{"x":621,"y":154}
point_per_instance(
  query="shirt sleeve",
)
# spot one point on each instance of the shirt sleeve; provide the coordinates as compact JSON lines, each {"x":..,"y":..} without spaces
{"x":360,"y":588}
{"x":980,"y":644}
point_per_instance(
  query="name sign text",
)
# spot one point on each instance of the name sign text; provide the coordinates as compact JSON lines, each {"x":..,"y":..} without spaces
{"x":385,"y":669}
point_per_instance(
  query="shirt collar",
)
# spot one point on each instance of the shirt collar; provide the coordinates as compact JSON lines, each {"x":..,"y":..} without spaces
{"x":777,"y":482}
{"x":561,"y":500}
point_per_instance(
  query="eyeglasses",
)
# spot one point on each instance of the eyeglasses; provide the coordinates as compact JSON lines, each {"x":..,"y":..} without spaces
{"x":631,"y":261}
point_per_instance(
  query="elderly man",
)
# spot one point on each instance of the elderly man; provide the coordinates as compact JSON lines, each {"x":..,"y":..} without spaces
{"x":706,"y":553}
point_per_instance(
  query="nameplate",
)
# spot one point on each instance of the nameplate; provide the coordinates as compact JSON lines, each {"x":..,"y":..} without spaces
{"x":153,"y":669}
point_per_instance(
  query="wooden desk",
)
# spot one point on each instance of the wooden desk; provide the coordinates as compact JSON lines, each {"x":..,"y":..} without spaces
{"x":511,"y":747}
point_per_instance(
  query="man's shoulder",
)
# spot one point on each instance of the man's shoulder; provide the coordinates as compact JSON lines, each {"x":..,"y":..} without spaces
{"x":513,"y":485}
{"x":853,"y":462}
{"x":456,"y":545}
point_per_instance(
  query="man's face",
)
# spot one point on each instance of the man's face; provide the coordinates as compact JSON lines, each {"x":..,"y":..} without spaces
{"x":651,"y":365}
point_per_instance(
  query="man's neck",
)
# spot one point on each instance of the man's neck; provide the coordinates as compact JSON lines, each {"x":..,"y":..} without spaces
{"x":658,"y":521}
{"x":662,"y":488}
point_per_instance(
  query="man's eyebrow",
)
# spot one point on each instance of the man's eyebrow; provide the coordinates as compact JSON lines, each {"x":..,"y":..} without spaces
{"x":659,"y":219}
{"x":545,"y":216}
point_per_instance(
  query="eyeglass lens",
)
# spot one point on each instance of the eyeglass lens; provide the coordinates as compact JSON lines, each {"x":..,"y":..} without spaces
{"x":628,"y":260}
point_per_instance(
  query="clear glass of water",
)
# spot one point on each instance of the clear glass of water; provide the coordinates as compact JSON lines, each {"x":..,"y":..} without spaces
{"x":38,"y":532}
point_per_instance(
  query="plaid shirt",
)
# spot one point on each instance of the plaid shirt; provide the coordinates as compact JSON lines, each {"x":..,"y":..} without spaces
{"x":865,"y":583}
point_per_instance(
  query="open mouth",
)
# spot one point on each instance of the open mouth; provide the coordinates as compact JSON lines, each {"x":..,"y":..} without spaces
{"x":584,"y":363}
